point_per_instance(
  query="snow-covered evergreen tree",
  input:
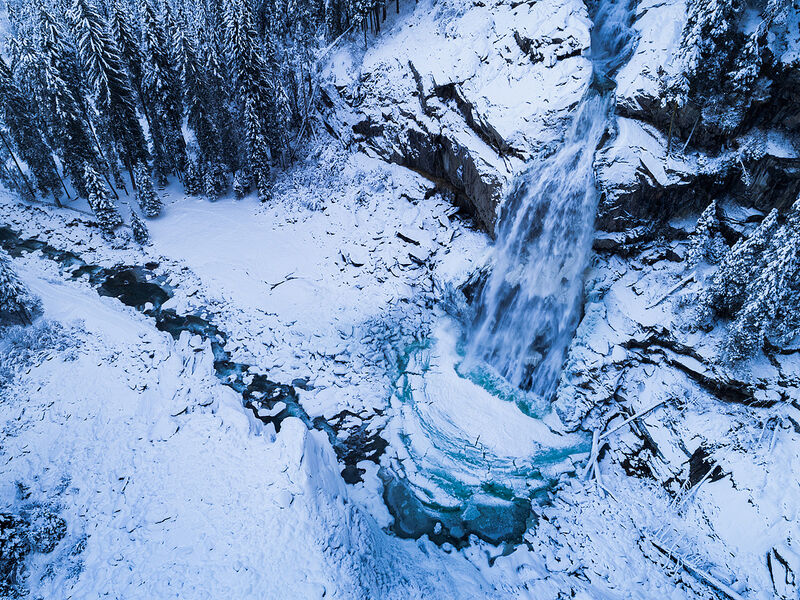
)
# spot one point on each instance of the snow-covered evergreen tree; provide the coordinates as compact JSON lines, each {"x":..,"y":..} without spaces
{"x":140,"y":232}
{"x":101,"y":204}
{"x":193,"y":179}
{"x":62,"y":100}
{"x":252,"y":89}
{"x":258,"y":150}
{"x":113,"y":94}
{"x":17,"y":304}
{"x":125,"y":33}
{"x":241,"y":184}
{"x":215,"y":181}
{"x":197,"y":97}
{"x":706,"y":244}
{"x":162,"y":91}
{"x":16,"y":115}
{"x":149,"y":201}
{"x":702,"y":46}
{"x":219,"y":95}
{"x":757,"y":285}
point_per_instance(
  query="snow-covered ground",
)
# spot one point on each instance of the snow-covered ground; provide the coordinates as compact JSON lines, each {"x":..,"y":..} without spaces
{"x":345,"y":285}
{"x":167,"y":487}
{"x":165,"y":481}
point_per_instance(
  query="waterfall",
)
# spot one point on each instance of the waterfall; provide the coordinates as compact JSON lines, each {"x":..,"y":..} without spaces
{"x":529,"y":307}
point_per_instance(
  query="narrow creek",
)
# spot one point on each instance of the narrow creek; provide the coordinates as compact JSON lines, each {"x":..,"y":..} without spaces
{"x":141,"y":288}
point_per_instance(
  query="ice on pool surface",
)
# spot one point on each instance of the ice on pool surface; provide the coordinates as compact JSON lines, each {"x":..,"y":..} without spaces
{"x":470,"y":457}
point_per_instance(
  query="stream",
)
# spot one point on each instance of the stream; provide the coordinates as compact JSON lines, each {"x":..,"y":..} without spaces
{"x":139,"y":287}
{"x":450,"y":476}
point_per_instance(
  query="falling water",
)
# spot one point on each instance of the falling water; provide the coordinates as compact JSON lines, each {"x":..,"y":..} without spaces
{"x":530,"y":304}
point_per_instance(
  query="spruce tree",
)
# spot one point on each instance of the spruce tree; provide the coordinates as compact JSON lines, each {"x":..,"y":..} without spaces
{"x":62,"y":101}
{"x":31,"y":146}
{"x":162,"y":92}
{"x":258,"y":151}
{"x":758,"y":285}
{"x":706,"y":242}
{"x":99,"y":201}
{"x":220,"y":96}
{"x":198,"y":100}
{"x":100,"y":57}
{"x":215,"y":181}
{"x":140,"y":231}
{"x":193,"y":180}
{"x":127,"y":38}
{"x":241,"y":184}
{"x":149,"y":201}
{"x":252,"y":89}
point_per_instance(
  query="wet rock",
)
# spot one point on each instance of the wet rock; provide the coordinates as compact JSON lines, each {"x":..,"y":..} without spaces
{"x":783,"y":564}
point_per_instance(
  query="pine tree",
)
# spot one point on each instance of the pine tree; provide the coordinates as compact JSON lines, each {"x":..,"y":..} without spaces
{"x":252,"y":89}
{"x":241,"y":184}
{"x":68,"y":123}
{"x":706,"y":242}
{"x":30,"y":144}
{"x":193,"y":180}
{"x":140,"y":231}
{"x":198,"y":100}
{"x":107,"y":215}
{"x":17,"y":304}
{"x":113,"y":94}
{"x":162,"y":92}
{"x":727,"y":292}
{"x":219,"y":96}
{"x":127,"y":39}
{"x":215,"y":181}
{"x":758,"y":285}
{"x":149,"y":201}
{"x":258,"y":151}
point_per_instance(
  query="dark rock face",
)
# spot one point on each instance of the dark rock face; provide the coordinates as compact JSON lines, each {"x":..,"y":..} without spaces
{"x":468,"y":111}
{"x":451,"y":166}
{"x":693,"y":129}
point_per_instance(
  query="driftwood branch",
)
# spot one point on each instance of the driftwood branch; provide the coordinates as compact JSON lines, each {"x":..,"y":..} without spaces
{"x":697,"y":572}
{"x":672,"y":290}
{"x":641,"y":413}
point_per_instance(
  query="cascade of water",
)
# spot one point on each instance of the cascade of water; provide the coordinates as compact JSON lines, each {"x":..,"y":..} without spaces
{"x":529,"y":306}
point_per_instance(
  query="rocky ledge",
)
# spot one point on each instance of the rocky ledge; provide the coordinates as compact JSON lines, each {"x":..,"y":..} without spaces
{"x":491,"y":88}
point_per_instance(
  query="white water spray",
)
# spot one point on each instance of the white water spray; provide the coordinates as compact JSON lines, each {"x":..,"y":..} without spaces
{"x":530,"y":305}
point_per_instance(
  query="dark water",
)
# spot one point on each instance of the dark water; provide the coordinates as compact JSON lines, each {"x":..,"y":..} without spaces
{"x":143,"y":289}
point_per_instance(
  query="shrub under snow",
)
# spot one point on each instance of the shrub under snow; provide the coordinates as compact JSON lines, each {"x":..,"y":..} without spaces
{"x":17,"y":304}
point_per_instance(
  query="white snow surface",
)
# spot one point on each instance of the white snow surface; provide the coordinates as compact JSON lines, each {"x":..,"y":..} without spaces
{"x":174,"y":490}
{"x":169,"y":488}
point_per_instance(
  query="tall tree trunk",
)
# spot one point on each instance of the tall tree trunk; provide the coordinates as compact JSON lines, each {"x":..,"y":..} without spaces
{"x":19,"y":168}
{"x":103,"y":168}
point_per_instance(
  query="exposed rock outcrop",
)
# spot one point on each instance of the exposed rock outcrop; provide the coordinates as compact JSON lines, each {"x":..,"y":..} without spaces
{"x":492,"y":88}
{"x":704,"y":116}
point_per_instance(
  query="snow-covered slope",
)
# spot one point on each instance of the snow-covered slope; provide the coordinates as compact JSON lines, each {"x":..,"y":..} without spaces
{"x":464,"y":92}
{"x":349,"y":285}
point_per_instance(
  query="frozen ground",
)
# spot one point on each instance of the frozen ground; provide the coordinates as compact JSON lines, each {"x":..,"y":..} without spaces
{"x":168,"y":482}
{"x":169,"y":488}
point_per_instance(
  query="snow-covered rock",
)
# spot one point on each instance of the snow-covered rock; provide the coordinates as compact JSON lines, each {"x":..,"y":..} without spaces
{"x":465,"y":94}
